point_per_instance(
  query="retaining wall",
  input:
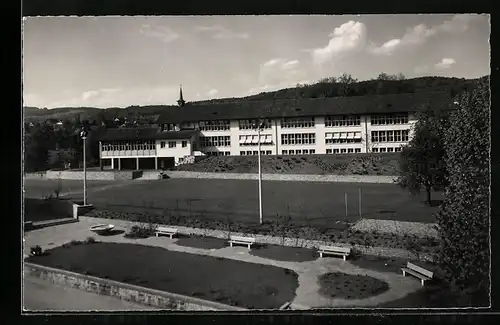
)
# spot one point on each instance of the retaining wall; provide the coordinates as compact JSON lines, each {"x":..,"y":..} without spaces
{"x":286,"y":177}
{"x":93,"y":175}
{"x":124,"y":291}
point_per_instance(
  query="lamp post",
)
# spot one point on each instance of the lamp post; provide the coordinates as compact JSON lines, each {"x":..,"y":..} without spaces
{"x":83,"y":134}
{"x":259,"y":125}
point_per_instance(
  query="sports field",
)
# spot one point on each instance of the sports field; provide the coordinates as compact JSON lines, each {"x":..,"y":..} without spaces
{"x":307,"y":203}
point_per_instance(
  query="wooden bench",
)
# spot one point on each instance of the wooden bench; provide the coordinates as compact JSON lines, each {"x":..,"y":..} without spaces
{"x":334,"y":250}
{"x":417,"y":271}
{"x":166,"y":231}
{"x":249,"y":241}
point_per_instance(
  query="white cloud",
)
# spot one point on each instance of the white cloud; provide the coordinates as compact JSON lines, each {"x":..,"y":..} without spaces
{"x":421,"y":69}
{"x":413,"y":36}
{"x":221,"y":32}
{"x":349,"y":37}
{"x":163,"y":33}
{"x":445,"y":63}
{"x":419,"y":34}
{"x":212,"y":92}
{"x":279,"y":70}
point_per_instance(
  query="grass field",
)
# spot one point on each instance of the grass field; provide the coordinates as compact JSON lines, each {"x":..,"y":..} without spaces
{"x":308,"y":203}
{"x":40,"y":188}
{"x":226,"y":281}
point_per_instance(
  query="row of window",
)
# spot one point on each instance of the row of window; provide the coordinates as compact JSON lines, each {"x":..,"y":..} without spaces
{"x":253,"y":140}
{"x":343,"y":135}
{"x":218,"y":153}
{"x":292,"y":122}
{"x":255,"y":152}
{"x":389,"y":119}
{"x":337,"y":141}
{"x":298,"y":138}
{"x":173,"y":144}
{"x":217,"y":125}
{"x":389,"y":149}
{"x":252,"y":124}
{"x":299,"y":152}
{"x":215,"y":141}
{"x":128,"y":145}
{"x":343,"y":150}
{"x":390,"y":136}
{"x":346,"y":120}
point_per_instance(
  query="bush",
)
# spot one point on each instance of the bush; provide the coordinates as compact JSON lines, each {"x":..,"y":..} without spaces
{"x":90,"y":240}
{"x":141,"y":232}
{"x":36,"y":250}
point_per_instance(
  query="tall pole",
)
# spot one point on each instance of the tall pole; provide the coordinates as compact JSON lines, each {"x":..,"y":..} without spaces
{"x":260,"y":176}
{"x":345,"y":201}
{"x":84,"y":172}
{"x":359,"y":193}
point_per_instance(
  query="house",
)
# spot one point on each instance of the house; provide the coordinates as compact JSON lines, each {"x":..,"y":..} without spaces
{"x":339,"y":125}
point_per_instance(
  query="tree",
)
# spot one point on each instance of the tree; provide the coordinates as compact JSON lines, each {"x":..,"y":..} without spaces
{"x":422,"y":160}
{"x":463,"y":219}
{"x":345,"y":81}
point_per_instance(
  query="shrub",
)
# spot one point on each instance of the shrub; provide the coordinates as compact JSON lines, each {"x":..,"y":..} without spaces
{"x":140,"y":232}
{"x":90,"y":240}
{"x":36,"y":250}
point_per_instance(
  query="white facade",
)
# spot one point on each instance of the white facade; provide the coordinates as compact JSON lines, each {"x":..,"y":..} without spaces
{"x":290,"y":136}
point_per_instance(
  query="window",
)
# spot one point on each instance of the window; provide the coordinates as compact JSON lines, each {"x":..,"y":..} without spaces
{"x":227,"y":153}
{"x":298,"y":152}
{"x":305,"y":151}
{"x":397,"y":149}
{"x":390,"y":136}
{"x":172,"y":144}
{"x":255,"y":153}
{"x":342,"y":137}
{"x":298,"y":138}
{"x":343,"y":150}
{"x":312,"y":151}
{"x":284,"y":152}
{"x":357,"y":150}
{"x":249,"y":153}
{"x":242,"y":153}
{"x":269,"y":152}
{"x":250,"y":124}
{"x":215,"y":141}
{"x":374,"y":149}
{"x":389,"y":119}
{"x":162,"y":144}
{"x":217,"y":125}
{"x":390,"y":149}
{"x":350,"y":150}
{"x":346,"y":120}
{"x":329,"y":151}
{"x":293,"y":122}
{"x":184,"y":144}
{"x":291,"y":152}
{"x":382,"y":149}
{"x":253,"y":140}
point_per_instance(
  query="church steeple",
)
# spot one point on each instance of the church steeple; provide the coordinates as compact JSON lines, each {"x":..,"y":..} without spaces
{"x":181,"y":100}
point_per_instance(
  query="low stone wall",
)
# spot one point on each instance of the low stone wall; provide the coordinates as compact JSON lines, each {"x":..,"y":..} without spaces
{"x":124,"y":291}
{"x":287,"y":177}
{"x":93,"y":175}
{"x":39,"y":175}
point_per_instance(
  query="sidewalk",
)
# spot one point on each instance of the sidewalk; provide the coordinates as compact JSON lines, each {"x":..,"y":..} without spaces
{"x":307,"y":295}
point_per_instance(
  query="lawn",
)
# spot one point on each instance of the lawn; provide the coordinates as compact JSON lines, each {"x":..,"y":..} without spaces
{"x":44,"y":210}
{"x":307,"y":203}
{"x":40,"y":188}
{"x":236,"y":283}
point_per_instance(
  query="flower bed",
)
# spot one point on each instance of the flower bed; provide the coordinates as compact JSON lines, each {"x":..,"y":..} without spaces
{"x":280,"y":229}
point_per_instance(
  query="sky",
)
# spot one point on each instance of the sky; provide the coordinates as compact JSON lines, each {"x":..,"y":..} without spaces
{"x":124,"y":61}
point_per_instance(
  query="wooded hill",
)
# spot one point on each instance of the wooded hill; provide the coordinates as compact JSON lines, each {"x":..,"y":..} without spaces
{"x":327,"y":87}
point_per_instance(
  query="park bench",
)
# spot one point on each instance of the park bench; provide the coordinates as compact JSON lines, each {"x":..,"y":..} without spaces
{"x":249,"y":241}
{"x":334,"y":250}
{"x":166,"y":231}
{"x":417,"y":271}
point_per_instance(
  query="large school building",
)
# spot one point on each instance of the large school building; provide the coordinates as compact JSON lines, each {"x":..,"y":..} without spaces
{"x":341,"y":125}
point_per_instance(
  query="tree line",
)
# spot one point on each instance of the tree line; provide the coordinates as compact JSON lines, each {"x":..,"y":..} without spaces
{"x":450,"y":151}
